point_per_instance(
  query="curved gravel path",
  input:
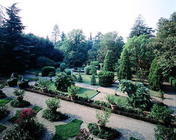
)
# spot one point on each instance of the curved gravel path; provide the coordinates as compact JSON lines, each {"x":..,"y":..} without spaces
{"x":127,"y":126}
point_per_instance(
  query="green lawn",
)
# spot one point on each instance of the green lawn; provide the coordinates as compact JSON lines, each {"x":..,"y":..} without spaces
{"x":121,"y":101}
{"x":155,"y":93}
{"x":83,"y":92}
{"x":4,"y":101}
{"x":87,"y":79}
{"x":69,"y":130}
{"x":2,"y":128}
{"x":86,"y":93}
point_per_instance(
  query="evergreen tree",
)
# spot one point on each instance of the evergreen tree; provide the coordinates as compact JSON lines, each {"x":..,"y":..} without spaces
{"x":93,"y":80}
{"x":124,"y":70}
{"x":154,"y":78}
{"x":108,"y":64}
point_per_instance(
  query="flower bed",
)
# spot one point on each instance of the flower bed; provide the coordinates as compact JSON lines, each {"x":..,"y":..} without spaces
{"x":102,"y":105}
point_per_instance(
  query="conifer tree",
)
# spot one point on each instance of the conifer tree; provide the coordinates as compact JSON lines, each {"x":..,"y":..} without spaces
{"x":108,"y":64}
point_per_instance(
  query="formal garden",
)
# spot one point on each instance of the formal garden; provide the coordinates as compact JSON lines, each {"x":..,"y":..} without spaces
{"x":39,"y":79}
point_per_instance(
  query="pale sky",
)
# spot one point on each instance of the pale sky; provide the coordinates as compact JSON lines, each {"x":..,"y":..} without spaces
{"x":39,"y":16}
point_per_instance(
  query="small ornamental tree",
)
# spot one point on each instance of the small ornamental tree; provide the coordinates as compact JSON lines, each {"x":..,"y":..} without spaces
{"x":106,"y":78}
{"x":63,"y":81}
{"x":53,"y":104}
{"x":124,"y":70}
{"x":93,"y":80}
{"x":108,"y":64}
{"x":79,"y":79}
{"x":139,"y":96}
{"x":93,"y":69}
{"x":73,"y":90}
{"x":103,"y":116}
{"x":154,"y":78}
{"x":62,"y":67}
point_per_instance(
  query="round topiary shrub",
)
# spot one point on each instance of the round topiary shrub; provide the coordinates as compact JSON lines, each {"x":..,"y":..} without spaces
{"x":63,"y":81}
{"x":87,"y":70}
{"x":47,"y":70}
{"x":62,"y":67}
{"x":51,"y":112}
{"x":19,"y":102}
{"x":106,"y":78}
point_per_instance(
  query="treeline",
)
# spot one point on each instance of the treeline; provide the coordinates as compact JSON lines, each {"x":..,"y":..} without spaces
{"x":19,"y":51}
{"x":145,"y":55}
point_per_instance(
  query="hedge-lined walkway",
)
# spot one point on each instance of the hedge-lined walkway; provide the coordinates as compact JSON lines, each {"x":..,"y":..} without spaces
{"x":128,"y":126}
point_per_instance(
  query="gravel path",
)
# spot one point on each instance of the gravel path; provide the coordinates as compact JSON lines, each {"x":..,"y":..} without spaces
{"x":128,"y":126}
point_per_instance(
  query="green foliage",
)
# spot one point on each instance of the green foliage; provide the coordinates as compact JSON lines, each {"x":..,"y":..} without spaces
{"x":63,"y":81}
{"x":108,"y":61}
{"x":124,"y":69}
{"x":165,"y":133}
{"x":139,"y":28}
{"x":162,"y":113}
{"x":53,"y":116}
{"x":93,"y":80}
{"x":3,"y":102}
{"x":43,"y":61}
{"x":154,"y":77}
{"x":69,"y":130}
{"x":43,"y":84}
{"x":53,"y":104}
{"x":3,"y":112}
{"x":47,"y":70}
{"x":139,"y":96}
{"x":93,"y":69}
{"x":20,"y":104}
{"x":2,"y":128}
{"x":73,"y":90}
{"x":106,"y":133}
{"x":87,"y":70}
{"x":106,"y":78}
{"x":140,"y":55}
{"x":62,"y":67}
{"x":111,"y":99}
{"x":68,"y":71}
{"x":79,"y":79}
{"x":103,"y":116}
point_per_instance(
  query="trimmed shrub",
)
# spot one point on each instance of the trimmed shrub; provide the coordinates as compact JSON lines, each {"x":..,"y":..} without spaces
{"x":93,"y":70}
{"x":106,"y":133}
{"x":93,"y":80}
{"x":87,"y":70}
{"x":62,"y":67}
{"x":165,"y":133}
{"x":63,"y":81}
{"x":108,"y":61}
{"x":159,"y":112}
{"x":154,"y":77}
{"x":48,"y":69}
{"x":68,"y":71}
{"x":106,"y":78}
{"x":79,"y":79}
{"x":73,"y":90}
{"x":23,"y":84}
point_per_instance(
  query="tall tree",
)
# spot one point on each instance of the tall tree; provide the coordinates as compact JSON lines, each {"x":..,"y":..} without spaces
{"x":55,"y":34}
{"x":124,"y":69}
{"x":110,"y":41}
{"x":140,"y":28}
{"x":108,"y":61}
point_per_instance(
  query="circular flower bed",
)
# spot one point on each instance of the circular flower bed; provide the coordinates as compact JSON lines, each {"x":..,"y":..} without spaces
{"x":103,"y":132}
{"x":17,"y":103}
{"x":53,"y":116}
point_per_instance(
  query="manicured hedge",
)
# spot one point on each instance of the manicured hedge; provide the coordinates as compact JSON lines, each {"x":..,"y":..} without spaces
{"x":48,"y":70}
{"x":106,"y":78}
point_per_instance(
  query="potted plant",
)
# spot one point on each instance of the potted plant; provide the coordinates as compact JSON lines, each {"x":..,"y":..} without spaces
{"x":112,"y":100}
{"x":73,"y":91}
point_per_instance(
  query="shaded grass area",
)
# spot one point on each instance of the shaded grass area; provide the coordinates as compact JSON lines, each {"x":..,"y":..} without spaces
{"x":155,"y":93}
{"x":69,"y":130}
{"x":2,"y":128}
{"x":3,"y":102}
{"x":121,"y":101}
{"x":87,"y":79}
